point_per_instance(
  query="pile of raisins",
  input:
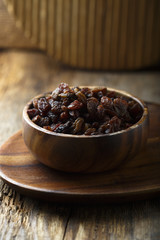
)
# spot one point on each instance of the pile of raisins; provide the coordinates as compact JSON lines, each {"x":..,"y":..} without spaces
{"x":84,"y":111}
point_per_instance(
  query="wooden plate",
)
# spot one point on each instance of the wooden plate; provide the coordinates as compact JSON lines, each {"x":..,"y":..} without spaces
{"x":137,"y":179}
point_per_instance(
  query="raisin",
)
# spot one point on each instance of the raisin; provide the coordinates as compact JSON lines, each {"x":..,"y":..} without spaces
{"x":102,"y":129}
{"x":47,"y":128}
{"x":116,"y":123}
{"x":86,"y":116}
{"x":43,"y":106}
{"x":64,"y":95}
{"x":110,"y":112}
{"x":76,"y":89}
{"x":86,"y":126}
{"x":81,"y":97}
{"x":135,"y":110}
{"x":67,"y":126}
{"x":36,"y":119}
{"x":101,"y":112}
{"x":90,"y":131}
{"x":111,"y":94}
{"x":109,"y":129}
{"x":65,"y":102}
{"x":56,"y":107}
{"x":63,"y":87}
{"x":55,"y":93}
{"x":99,"y":92}
{"x":120,"y":106}
{"x":105,"y":128}
{"x":77,"y":125}
{"x":92,"y":105}
{"x":87,"y":92}
{"x":35,"y":103}
{"x":44,"y":121}
{"x":75,"y":105}
{"x":62,"y":128}
{"x":52,"y":117}
{"x":32,"y":112}
{"x":64,"y":108}
{"x":64,"y":115}
{"x":107,"y":102}
{"x":55,"y":126}
{"x":74,"y":114}
{"x":95,"y":125}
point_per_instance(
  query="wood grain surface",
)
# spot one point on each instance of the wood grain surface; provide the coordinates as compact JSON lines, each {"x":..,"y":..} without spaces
{"x":10,"y":35}
{"x":26,"y":74}
{"x":136,"y":178}
{"x":93,"y":34}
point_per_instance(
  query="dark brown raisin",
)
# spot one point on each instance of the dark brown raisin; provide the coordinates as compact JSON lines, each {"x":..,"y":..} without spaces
{"x":55,"y":93}
{"x":63,"y":87}
{"x":95,"y":125}
{"x":43,"y":106}
{"x":135,"y":110}
{"x":90,"y":131}
{"x":111,"y":94}
{"x":120,"y":106}
{"x":75,"y":105}
{"x":111,"y":113}
{"x":47,"y":128}
{"x":52,"y":117}
{"x":109,"y":129}
{"x":81,"y":97}
{"x":44,"y":121}
{"x":87,"y":92}
{"x":64,"y":115}
{"x":92,"y":105}
{"x":107,"y":102}
{"x":101,"y":112}
{"x":56,"y":107}
{"x":32,"y":112}
{"x":116,"y":123}
{"x":105,"y":128}
{"x":78,"y":125}
{"x":35,"y":103}
{"x":86,"y":126}
{"x":64,"y":108}
{"x":36,"y":119}
{"x":99,"y":92}
{"x":74,"y":114}
{"x":76,"y":89}
{"x":62,"y":128}
{"x":55,"y":126}
{"x":65,"y":102}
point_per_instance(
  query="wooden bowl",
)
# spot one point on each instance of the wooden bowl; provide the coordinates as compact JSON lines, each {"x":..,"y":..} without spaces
{"x":80,"y":153}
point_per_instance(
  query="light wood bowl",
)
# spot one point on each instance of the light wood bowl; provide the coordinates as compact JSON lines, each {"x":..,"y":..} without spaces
{"x":80,"y":153}
{"x":93,"y":34}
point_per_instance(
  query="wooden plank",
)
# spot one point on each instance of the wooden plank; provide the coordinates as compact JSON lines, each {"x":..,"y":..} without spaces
{"x":26,"y":74}
{"x":10,"y":35}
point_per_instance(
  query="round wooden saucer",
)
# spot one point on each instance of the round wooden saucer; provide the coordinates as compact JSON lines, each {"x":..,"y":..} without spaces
{"x":138,"y":178}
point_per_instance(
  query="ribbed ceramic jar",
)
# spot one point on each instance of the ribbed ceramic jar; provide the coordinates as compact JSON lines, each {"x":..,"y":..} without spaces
{"x":93,"y":34}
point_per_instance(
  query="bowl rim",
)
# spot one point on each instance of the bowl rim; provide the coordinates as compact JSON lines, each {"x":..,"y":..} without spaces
{"x":121,"y":92}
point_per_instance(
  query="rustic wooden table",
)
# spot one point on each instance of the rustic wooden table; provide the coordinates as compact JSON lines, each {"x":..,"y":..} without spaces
{"x":26,"y":74}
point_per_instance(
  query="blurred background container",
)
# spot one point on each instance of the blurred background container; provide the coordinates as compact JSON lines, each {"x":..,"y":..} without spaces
{"x":93,"y":34}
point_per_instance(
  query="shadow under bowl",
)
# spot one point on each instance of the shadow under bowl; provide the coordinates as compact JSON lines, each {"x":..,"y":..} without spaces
{"x":87,"y":154}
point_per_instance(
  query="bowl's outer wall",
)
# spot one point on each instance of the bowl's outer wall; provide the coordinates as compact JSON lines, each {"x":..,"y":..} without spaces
{"x":93,"y":154}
